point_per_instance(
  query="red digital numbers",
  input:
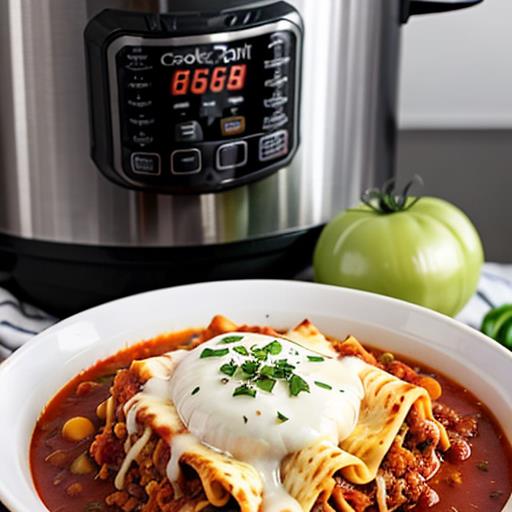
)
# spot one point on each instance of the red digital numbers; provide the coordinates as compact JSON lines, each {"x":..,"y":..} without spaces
{"x":236,"y":80}
{"x":180,"y":82}
{"x":200,"y":80}
{"x":218,"y":82}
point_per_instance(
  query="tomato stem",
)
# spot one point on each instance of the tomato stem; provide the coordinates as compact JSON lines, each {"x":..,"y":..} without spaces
{"x":385,"y":200}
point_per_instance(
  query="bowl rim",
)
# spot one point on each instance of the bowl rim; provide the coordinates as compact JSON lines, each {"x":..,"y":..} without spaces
{"x":10,"y":499}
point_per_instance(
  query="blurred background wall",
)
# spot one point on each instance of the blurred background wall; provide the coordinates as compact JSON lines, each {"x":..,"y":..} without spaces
{"x":456,"y":115}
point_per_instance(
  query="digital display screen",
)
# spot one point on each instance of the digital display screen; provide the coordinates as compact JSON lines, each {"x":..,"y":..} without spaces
{"x":202,"y":80}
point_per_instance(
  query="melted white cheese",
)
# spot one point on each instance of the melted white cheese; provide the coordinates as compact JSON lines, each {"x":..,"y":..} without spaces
{"x":248,"y":428}
{"x":132,"y":454}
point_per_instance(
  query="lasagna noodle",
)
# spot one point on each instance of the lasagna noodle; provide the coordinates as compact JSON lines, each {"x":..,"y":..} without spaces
{"x":307,"y":475}
{"x":387,"y":401}
{"x":385,"y":406}
{"x":308,"y":336}
{"x":221,"y":476}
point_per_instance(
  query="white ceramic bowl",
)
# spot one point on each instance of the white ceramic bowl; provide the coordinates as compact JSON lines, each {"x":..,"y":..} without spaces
{"x":34,"y":373}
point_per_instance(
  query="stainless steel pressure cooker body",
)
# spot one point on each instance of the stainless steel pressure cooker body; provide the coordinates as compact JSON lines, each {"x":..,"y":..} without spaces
{"x":147,"y":143}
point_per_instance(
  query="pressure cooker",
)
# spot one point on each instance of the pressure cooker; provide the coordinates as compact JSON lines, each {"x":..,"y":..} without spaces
{"x":146,"y":143}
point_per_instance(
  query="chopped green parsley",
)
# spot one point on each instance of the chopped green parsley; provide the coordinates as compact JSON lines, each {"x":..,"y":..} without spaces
{"x":257,"y":372}
{"x":266,"y":384}
{"x":210,"y":352}
{"x":229,"y":368}
{"x":273,"y":348}
{"x":250,"y":368}
{"x":244,"y":389}
{"x":259,"y":353}
{"x":283,"y":369}
{"x":230,"y":339}
{"x":297,"y":384}
{"x":281,"y":418}
{"x":241,"y":350}
{"x":322,"y":385}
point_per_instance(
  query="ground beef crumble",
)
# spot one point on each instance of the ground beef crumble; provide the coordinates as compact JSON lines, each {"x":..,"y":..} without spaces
{"x":413,"y":457}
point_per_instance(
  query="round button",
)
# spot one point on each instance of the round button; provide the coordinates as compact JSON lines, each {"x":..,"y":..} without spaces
{"x":186,"y":161}
{"x":231,"y":155}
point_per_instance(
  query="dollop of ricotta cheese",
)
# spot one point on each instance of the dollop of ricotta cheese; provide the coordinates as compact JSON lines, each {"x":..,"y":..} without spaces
{"x":259,"y":398}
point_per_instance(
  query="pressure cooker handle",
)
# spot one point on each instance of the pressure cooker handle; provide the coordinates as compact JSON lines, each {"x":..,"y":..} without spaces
{"x":410,"y":7}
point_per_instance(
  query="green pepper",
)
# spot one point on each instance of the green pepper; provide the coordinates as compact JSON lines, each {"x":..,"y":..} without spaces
{"x":497,"y":324}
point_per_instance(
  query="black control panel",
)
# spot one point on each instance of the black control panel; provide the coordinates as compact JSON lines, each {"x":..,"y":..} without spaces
{"x":194,"y":103}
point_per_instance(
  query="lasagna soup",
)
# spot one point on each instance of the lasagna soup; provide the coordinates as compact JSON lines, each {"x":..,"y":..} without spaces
{"x":245,"y":418}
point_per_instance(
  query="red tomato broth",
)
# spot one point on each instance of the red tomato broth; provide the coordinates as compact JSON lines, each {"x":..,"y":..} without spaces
{"x":479,"y":491}
{"x":46,"y":438}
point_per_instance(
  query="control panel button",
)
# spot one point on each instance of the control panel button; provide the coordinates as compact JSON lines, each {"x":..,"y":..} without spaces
{"x":188,"y":131}
{"x":186,"y":161}
{"x":232,"y":125}
{"x":145,"y":163}
{"x":273,"y":145}
{"x":231,"y":155}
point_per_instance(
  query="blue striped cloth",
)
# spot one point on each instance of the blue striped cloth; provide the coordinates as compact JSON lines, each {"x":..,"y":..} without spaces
{"x":20,"y":321}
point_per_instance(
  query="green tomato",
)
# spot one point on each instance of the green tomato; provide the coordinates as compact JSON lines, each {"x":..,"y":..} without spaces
{"x":428,"y":253}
